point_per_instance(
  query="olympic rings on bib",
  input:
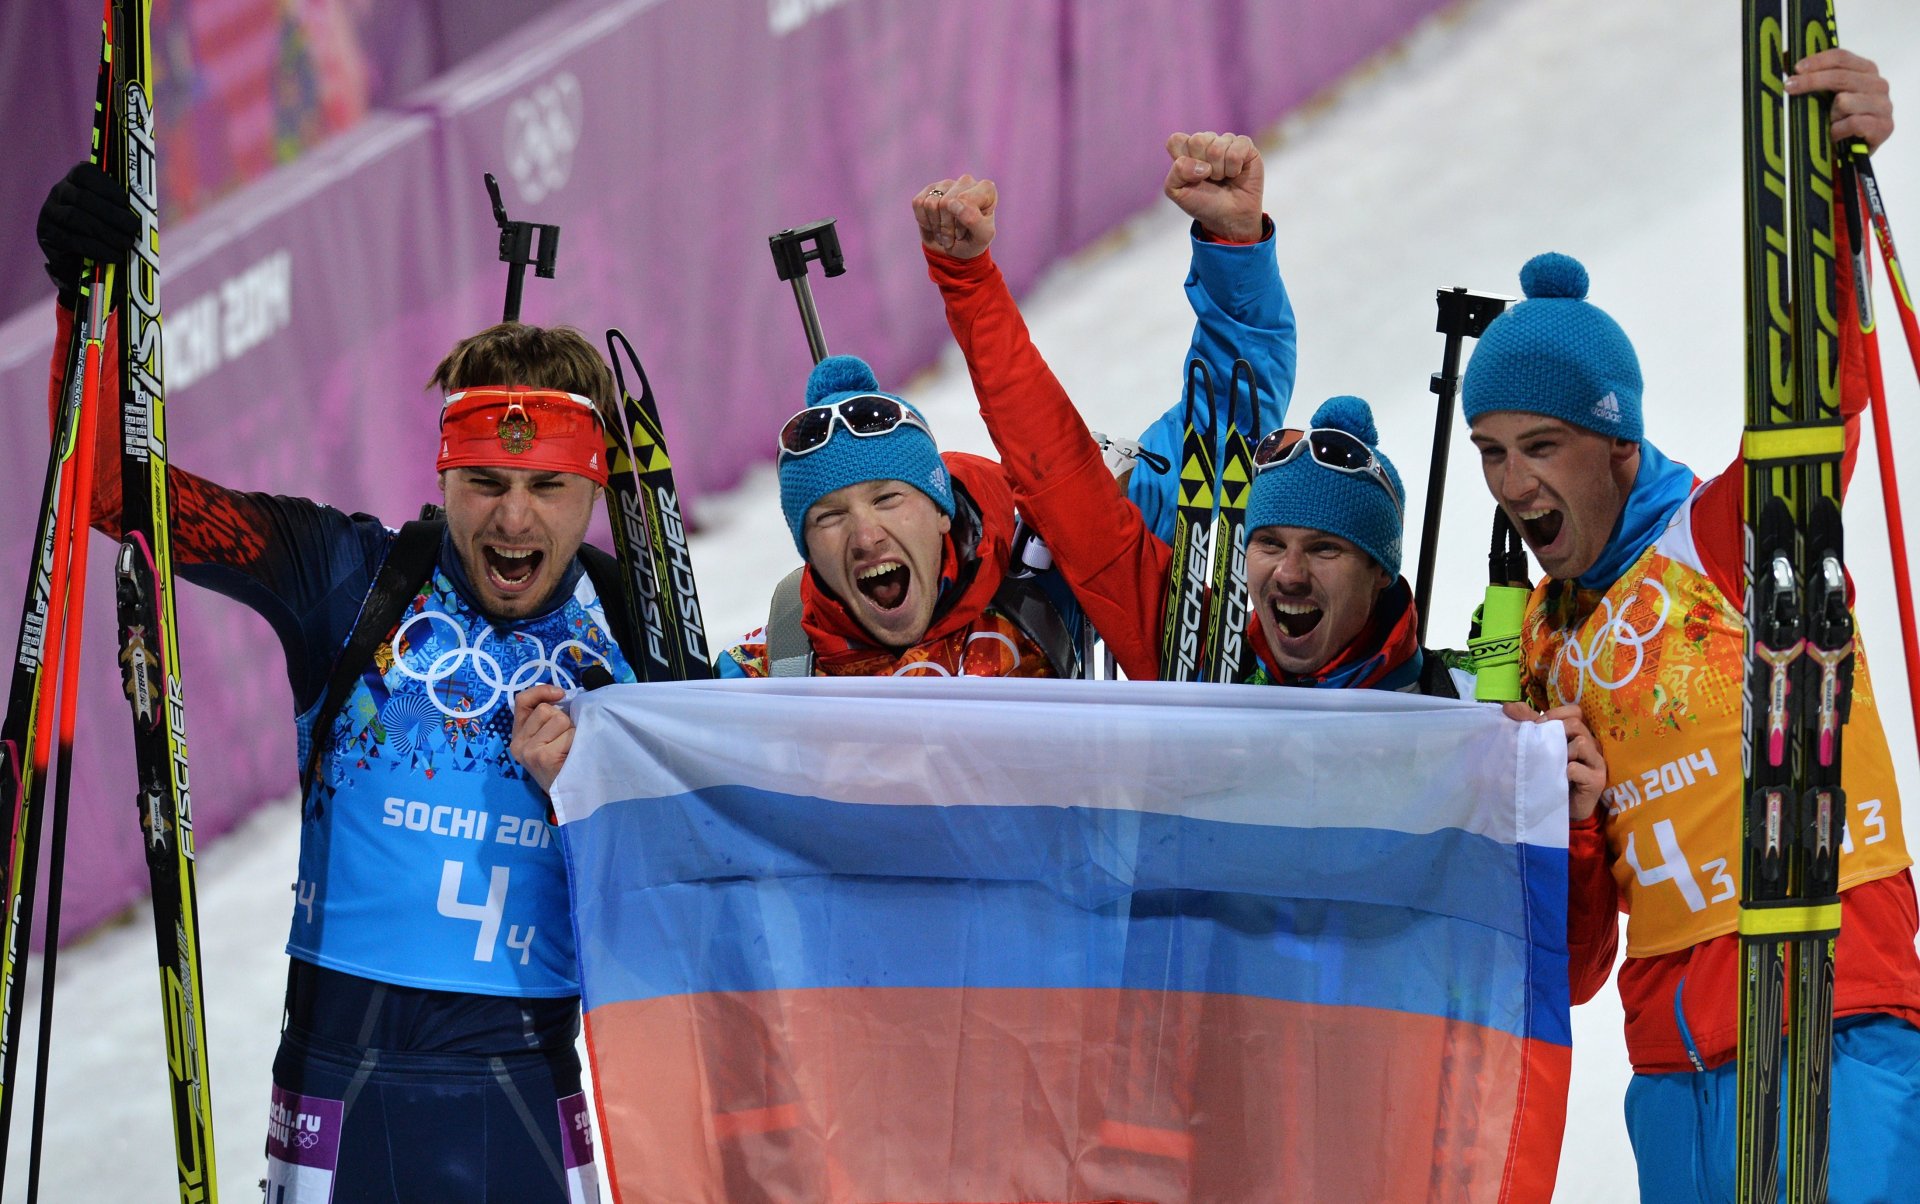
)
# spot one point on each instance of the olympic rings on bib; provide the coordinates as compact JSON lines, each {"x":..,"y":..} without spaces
{"x":1614,"y":632}
{"x":482,"y":667}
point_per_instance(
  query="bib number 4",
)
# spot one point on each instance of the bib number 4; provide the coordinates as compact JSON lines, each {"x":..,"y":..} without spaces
{"x":487,"y":914}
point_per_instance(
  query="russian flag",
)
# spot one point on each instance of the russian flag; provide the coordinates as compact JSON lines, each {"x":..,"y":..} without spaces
{"x":977,"y":942}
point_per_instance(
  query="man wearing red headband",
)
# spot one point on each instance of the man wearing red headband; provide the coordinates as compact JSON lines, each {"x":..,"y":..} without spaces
{"x":432,"y":998}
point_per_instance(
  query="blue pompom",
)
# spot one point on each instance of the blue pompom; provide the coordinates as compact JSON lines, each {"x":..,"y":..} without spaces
{"x":840,"y":374}
{"x":1349,"y":414}
{"x":1554,"y":275}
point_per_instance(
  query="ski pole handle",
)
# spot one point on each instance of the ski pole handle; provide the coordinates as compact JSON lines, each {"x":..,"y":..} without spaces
{"x":790,"y":255}
{"x":1495,"y":643}
{"x":1464,"y":314}
{"x":518,"y":250}
{"x":1496,"y":650}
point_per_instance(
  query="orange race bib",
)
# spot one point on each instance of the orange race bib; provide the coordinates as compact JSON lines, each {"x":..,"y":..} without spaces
{"x":1655,"y":664}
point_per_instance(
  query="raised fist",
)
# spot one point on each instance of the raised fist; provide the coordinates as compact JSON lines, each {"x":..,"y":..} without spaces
{"x":956,"y":216}
{"x":1217,"y":179}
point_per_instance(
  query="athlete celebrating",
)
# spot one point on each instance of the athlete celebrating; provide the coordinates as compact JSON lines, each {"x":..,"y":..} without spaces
{"x":1638,"y":624}
{"x":432,"y":999}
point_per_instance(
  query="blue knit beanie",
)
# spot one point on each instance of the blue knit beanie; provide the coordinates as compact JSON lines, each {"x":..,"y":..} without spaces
{"x":1557,"y":355}
{"x":905,"y":453}
{"x":1305,"y":493}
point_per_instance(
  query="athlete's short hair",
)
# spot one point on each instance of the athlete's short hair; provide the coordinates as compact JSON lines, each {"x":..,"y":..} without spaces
{"x":544,"y":357}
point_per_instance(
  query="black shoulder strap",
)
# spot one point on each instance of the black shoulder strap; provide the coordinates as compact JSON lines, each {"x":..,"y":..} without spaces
{"x":604,"y":571}
{"x":1436,"y":677}
{"x":1025,"y":603}
{"x":408,"y":564}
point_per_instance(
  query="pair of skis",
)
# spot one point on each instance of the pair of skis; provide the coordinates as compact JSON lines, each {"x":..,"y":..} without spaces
{"x":48,"y":662}
{"x":1799,"y":632}
{"x":649,"y":536}
{"x":1204,"y":619}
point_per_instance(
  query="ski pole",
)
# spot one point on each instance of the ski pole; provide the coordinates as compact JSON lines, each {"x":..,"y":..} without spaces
{"x":1869,"y":189}
{"x":69,"y":679}
{"x":790,"y":256}
{"x":518,"y":250}
{"x":1464,"y":315}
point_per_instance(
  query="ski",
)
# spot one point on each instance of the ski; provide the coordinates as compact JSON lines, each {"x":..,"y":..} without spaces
{"x":1799,"y":633}
{"x":149,"y":639}
{"x":649,"y":536}
{"x":44,"y":662}
{"x":1183,"y":631}
{"x":1228,"y":655}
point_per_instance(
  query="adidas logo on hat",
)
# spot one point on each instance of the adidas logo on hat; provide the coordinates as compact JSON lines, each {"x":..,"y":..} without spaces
{"x":1607,"y":410}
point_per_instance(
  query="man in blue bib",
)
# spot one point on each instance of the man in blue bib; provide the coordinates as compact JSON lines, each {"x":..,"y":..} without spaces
{"x":432,"y":1001}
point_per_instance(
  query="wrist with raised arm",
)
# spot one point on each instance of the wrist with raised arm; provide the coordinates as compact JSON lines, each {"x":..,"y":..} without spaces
{"x":1237,"y":234}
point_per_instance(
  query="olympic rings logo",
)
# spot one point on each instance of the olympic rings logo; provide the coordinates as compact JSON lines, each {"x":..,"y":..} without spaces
{"x":932,"y":668}
{"x":540,"y":668}
{"x":922,"y":669}
{"x":1614,"y":632}
{"x":542,"y":130}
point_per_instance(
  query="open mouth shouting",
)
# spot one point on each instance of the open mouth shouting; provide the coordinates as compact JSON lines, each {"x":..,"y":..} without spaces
{"x":1293,"y":618}
{"x":1541,"y":526}
{"x":511,"y":570}
{"x":885,"y":585}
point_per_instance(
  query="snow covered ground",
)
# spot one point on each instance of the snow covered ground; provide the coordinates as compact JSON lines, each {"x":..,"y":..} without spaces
{"x":1503,"y":129}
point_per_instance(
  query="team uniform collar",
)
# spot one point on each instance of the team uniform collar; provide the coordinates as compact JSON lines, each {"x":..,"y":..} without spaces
{"x":1659,"y":488}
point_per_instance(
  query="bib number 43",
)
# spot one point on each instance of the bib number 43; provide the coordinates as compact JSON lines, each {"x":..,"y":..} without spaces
{"x":1674,"y":867}
{"x":487,"y":914}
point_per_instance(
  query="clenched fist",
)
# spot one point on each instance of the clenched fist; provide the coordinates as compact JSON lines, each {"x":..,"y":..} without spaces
{"x":956,"y":216}
{"x":1217,"y":179}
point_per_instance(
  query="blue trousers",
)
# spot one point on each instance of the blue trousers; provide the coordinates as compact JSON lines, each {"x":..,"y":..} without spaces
{"x":1682,"y":1125}
{"x":386,"y":1095}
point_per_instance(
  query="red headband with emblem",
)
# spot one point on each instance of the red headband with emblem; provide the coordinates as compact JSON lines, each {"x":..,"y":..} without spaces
{"x":517,"y":426}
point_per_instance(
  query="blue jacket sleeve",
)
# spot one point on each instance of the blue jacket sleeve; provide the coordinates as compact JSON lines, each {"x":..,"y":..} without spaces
{"x":1241,"y":311}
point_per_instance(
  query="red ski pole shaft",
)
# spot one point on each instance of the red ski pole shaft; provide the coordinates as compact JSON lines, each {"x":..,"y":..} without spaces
{"x":1882,"y":433}
{"x":52,"y":647}
{"x":1896,"y":528}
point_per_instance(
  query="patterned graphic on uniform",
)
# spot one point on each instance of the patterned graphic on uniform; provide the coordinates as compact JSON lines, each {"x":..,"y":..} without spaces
{"x":439,"y":693}
{"x":1656,"y":665}
{"x":992,"y":647}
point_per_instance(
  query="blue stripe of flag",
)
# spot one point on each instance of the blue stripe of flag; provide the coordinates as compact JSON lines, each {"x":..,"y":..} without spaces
{"x":735,"y":889}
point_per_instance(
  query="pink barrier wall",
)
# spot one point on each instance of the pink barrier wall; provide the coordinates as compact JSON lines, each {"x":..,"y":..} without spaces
{"x":667,"y":138}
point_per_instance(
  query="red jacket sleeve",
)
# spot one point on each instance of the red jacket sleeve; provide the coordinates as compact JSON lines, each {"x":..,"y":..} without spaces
{"x":1593,"y":910}
{"x":1116,"y":567}
{"x":212,"y":524}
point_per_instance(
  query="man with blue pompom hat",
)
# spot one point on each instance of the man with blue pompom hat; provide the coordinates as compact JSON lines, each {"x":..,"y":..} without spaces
{"x":907,"y":550}
{"x":1638,"y":628}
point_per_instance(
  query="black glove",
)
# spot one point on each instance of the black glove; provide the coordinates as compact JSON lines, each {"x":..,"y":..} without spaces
{"x":86,"y":216}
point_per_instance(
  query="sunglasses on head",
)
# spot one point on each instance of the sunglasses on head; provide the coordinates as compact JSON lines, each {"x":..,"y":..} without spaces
{"x":864,"y":416}
{"x":1330,"y":447}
